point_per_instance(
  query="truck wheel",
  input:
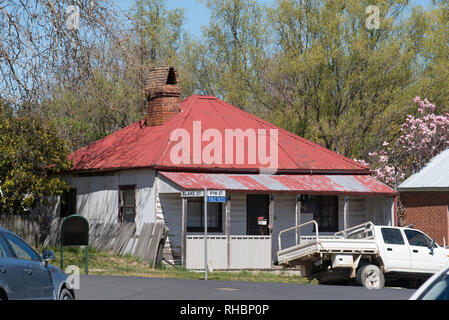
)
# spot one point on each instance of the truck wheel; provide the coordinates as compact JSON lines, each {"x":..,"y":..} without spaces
{"x":371,"y":277}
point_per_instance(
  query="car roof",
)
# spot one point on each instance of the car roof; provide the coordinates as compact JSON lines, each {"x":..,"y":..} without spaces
{"x":5,"y":230}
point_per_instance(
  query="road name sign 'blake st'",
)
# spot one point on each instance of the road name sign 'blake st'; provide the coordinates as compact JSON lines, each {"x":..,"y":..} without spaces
{"x":192,"y":193}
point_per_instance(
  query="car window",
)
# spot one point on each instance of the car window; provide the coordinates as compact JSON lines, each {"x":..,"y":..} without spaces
{"x":21,"y":249}
{"x":438,"y":290}
{"x":392,"y":236}
{"x":3,"y":248}
{"x":416,"y":238}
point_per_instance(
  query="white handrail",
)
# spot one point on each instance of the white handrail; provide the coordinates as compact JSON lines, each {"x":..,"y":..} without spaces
{"x":363,"y":226}
{"x":297,"y":227}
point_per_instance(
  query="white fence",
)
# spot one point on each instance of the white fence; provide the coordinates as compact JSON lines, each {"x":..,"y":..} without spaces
{"x":245,"y":252}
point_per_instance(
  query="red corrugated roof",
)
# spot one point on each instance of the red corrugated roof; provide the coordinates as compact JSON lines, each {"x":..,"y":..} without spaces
{"x":138,"y":146}
{"x":304,"y":184}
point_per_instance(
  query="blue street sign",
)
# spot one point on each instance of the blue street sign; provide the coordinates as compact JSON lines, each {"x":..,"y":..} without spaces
{"x":216,"y":199}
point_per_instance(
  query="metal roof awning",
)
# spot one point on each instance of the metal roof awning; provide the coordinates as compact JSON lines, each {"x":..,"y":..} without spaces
{"x":302,"y":184}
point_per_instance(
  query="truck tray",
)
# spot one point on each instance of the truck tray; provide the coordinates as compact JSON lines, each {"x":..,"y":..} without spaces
{"x":309,"y":247}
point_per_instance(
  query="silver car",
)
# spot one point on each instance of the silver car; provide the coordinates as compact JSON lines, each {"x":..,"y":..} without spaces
{"x":435,"y":288}
{"x":24,"y":274}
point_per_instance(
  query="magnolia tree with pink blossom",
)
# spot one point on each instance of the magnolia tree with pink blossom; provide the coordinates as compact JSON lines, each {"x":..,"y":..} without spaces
{"x":422,"y":137}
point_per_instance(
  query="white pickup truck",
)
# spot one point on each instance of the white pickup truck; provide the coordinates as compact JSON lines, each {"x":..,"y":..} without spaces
{"x":367,"y":253}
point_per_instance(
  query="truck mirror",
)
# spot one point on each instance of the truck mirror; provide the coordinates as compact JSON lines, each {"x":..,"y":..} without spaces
{"x":431,"y":246}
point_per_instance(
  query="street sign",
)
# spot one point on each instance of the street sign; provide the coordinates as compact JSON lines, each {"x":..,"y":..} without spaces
{"x":193,"y":193}
{"x":216,"y":193}
{"x":216,"y":199}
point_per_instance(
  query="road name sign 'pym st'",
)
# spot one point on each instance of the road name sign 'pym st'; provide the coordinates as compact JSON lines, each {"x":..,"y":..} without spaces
{"x":216,"y":196}
{"x":190,"y":150}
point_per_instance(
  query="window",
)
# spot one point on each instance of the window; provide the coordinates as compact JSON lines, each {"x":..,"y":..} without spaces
{"x":3,"y":248}
{"x":195,"y":216}
{"x":324,"y":209}
{"x":21,"y":249}
{"x":68,"y":203}
{"x":416,"y":238}
{"x":392,"y":236}
{"x":127,"y":204}
{"x":438,"y":290}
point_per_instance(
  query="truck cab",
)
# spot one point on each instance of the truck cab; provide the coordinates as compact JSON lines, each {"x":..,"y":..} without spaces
{"x":409,"y":250}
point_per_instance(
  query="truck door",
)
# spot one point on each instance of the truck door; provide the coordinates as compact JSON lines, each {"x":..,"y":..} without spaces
{"x":424,"y":258}
{"x":395,"y":252}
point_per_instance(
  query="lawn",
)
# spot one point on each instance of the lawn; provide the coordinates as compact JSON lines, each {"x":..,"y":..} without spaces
{"x":108,"y":263}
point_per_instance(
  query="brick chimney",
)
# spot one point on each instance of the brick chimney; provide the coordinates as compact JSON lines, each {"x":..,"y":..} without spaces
{"x":162,"y":91}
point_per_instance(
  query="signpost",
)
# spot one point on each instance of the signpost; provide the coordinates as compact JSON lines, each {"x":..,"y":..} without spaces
{"x":209,"y":196}
{"x":206,"y":267}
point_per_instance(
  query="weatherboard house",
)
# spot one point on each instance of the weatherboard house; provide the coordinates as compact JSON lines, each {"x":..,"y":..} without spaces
{"x":269,"y":179}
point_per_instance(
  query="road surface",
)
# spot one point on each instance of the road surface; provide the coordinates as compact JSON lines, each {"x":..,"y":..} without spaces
{"x":141,"y":288}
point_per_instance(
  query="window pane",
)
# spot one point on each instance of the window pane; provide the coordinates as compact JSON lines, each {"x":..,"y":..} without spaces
{"x":194,"y":212}
{"x":392,"y":236}
{"x":325,"y":211}
{"x":3,"y":248}
{"x":127,"y":211}
{"x":213,"y":213}
{"x":416,"y":238}
{"x":128,"y":197}
{"x":128,"y":215}
{"x":195,"y":215}
{"x":21,"y":249}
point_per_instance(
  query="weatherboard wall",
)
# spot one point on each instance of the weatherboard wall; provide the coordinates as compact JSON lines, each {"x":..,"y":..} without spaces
{"x":97,"y":195}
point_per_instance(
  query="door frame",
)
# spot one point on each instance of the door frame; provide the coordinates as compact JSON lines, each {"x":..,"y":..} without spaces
{"x":265,"y":195}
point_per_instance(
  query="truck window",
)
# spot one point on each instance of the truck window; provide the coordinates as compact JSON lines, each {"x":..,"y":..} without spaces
{"x":392,"y":236}
{"x":416,"y":238}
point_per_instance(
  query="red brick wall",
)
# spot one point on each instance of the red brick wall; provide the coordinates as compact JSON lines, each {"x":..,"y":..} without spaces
{"x":428,"y":210}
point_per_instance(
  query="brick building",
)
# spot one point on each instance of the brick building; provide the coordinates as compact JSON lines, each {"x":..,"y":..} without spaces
{"x":425,"y":196}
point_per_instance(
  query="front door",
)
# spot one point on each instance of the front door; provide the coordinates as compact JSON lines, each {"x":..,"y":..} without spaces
{"x":257,"y":218}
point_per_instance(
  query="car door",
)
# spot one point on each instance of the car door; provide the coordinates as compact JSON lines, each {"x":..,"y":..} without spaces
{"x":11,"y":272}
{"x":423,"y":258}
{"x":38,"y":281}
{"x":395,"y":252}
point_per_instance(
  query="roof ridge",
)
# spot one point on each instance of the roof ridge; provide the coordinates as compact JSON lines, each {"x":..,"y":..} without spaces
{"x":291,"y":134}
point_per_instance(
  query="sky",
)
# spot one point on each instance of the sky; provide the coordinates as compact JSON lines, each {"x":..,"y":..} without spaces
{"x":197,"y":14}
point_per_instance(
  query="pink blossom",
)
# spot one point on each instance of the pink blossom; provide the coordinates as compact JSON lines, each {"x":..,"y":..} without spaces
{"x":421,"y":138}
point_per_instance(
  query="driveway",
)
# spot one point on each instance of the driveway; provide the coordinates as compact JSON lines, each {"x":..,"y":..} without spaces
{"x":141,"y":288}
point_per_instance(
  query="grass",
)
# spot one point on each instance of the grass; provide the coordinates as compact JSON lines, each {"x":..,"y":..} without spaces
{"x":108,"y":263}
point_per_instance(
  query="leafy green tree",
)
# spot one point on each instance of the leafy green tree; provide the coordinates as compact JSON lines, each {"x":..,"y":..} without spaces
{"x":433,"y":46}
{"x":32,"y":156}
{"x":333,"y":79}
{"x":227,"y":60}
{"x":158,"y":30}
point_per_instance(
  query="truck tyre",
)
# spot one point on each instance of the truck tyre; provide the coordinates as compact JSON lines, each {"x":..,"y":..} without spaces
{"x":371,"y":277}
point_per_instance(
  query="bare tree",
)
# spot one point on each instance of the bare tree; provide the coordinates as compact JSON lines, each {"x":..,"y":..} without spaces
{"x":43,"y":42}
